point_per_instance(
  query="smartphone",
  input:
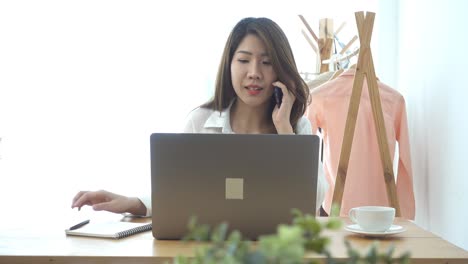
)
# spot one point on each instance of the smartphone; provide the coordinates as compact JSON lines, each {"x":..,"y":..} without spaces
{"x":278,"y":94}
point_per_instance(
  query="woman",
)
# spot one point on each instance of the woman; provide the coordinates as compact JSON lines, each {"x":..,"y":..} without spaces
{"x":257,"y":57}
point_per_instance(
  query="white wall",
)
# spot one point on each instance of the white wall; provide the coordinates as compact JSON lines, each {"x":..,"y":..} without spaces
{"x":432,"y":42}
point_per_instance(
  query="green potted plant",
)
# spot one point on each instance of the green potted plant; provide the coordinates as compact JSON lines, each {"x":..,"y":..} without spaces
{"x":287,"y":246}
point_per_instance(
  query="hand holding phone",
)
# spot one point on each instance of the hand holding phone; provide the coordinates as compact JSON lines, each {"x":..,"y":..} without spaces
{"x":278,"y":94}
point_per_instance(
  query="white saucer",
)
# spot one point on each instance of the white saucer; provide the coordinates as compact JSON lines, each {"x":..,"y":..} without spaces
{"x":394,"y":229}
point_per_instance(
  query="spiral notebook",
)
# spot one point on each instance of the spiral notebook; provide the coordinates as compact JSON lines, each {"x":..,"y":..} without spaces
{"x":114,"y":229}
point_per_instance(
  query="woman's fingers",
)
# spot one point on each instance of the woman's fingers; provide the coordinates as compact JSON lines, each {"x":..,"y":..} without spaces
{"x":90,"y":198}
{"x":77,"y":198}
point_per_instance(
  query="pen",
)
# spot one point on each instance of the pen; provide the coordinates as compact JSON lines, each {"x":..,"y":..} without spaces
{"x":79,"y":225}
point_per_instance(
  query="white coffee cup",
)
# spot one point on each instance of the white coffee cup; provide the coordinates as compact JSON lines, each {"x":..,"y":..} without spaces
{"x":373,"y":218}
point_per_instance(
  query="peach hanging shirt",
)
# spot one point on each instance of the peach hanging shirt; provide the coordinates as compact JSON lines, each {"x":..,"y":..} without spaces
{"x":364,"y":181}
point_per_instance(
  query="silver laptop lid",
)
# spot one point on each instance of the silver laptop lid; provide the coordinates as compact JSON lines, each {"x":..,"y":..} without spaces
{"x":249,"y":181}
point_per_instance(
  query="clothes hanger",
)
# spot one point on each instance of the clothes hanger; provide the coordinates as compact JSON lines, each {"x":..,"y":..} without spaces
{"x":336,"y":74}
{"x":340,"y":57}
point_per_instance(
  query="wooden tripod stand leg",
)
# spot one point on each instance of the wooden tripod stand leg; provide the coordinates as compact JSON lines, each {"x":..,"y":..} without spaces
{"x":347,"y":140}
{"x":365,"y":68}
{"x":382,"y":139}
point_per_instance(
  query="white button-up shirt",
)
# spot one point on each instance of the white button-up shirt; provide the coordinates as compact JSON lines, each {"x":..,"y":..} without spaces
{"x":204,"y":120}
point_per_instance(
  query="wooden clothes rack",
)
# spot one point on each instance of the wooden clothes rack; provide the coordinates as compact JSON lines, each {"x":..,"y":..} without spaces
{"x":324,"y":41}
{"x":365,"y":69}
{"x":323,"y":44}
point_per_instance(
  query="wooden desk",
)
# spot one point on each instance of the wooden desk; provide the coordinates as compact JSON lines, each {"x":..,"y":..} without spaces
{"x":51,"y":245}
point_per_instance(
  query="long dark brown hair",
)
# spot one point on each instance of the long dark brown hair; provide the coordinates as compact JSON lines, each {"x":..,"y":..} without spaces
{"x":282,"y":59}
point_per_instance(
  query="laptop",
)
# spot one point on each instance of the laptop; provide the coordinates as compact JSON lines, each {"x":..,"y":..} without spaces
{"x":250,"y":181}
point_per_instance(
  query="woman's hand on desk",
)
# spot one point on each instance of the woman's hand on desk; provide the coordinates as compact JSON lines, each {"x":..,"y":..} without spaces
{"x":106,"y":201}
